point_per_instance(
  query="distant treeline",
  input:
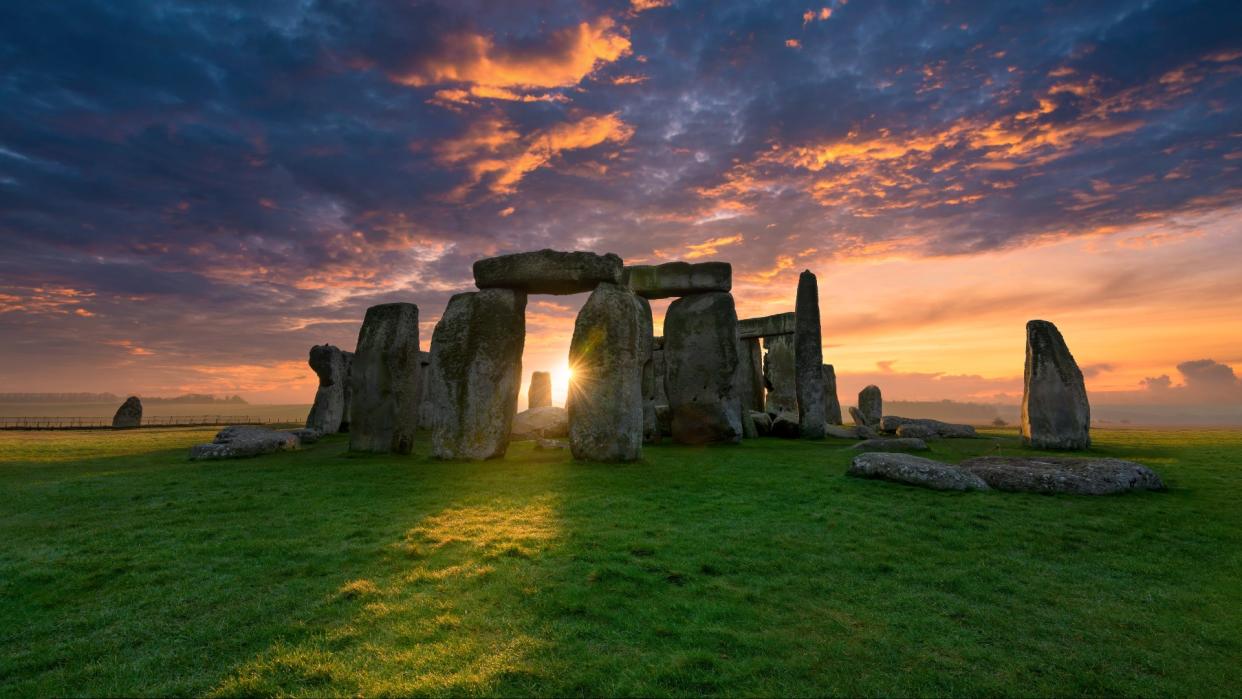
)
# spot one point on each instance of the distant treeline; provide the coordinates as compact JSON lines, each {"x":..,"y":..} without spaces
{"x":196,"y":398}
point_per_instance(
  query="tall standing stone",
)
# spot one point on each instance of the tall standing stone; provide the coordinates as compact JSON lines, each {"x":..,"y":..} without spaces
{"x":328,"y":410}
{"x":611,"y":343}
{"x":476,"y":373}
{"x":871,"y":406}
{"x":750,"y":374}
{"x":700,"y":354}
{"x":384,"y":380}
{"x":128,"y":415}
{"x":539,"y":394}
{"x":779,"y":375}
{"x":347,"y":391}
{"x":809,"y":358}
{"x":651,"y":424}
{"x":832,"y":406}
{"x":1055,"y":411}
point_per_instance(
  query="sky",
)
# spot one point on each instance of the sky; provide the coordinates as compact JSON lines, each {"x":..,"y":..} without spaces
{"x":192,"y":194}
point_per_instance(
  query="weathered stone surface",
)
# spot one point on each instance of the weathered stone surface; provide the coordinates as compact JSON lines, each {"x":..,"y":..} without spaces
{"x":664,"y":419}
{"x":347,"y":390}
{"x":426,"y":411}
{"x":678,"y":279}
{"x":749,"y":429}
{"x":809,"y":358}
{"x":767,"y":326}
{"x":611,"y":343}
{"x":779,"y":374}
{"x":913,"y":470}
{"x":700,"y":353}
{"x":892,"y":444}
{"x":1081,"y":476}
{"x":914,"y":430}
{"x":128,"y":415}
{"x":750,"y":374}
{"x":476,"y":373}
{"x":658,"y":371}
{"x":832,"y":406}
{"x":870,"y":406}
{"x":763,"y":422}
{"x":857,"y":416}
{"x":651,"y":424}
{"x":548,"y":272}
{"x":548,"y":421}
{"x":785,"y":425}
{"x":384,"y":380}
{"x":328,"y":411}
{"x":893,"y":423}
{"x":238,"y":441}
{"x":1055,"y":411}
{"x":842,"y":432}
{"x":550,"y":444}
{"x":306,"y":435}
{"x":539,"y":393}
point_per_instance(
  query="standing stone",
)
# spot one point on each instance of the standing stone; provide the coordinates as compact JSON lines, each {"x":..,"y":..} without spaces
{"x":328,"y":410}
{"x":832,"y":406}
{"x":425,"y":409}
{"x":384,"y":380}
{"x":870,"y":406}
{"x":476,"y":373}
{"x":700,"y":354}
{"x":128,"y":415}
{"x":657,"y":363}
{"x":750,"y":374}
{"x":539,"y":394}
{"x":809,"y":358}
{"x":347,"y":391}
{"x":779,"y":375}
{"x":651,"y":423}
{"x":1055,"y":412}
{"x":611,"y":344}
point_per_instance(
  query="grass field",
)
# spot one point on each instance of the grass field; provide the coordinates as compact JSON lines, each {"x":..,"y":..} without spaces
{"x":752,"y":570}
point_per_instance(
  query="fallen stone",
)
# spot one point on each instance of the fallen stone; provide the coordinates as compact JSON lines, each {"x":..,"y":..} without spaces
{"x":785,"y":425}
{"x":893,"y":423}
{"x":916,"y":431}
{"x":809,"y":358}
{"x":678,"y":279}
{"x":767,"y":326}
{"x":238,"y":441}
{"x":1077,"y":475}
{"x":306,"y":435}
{"x":892,"y":444}
{"x":384,"y":380}
{"x":779,"y":374}
{"x":548,"y":421}
{"x":870,"y":406}
{"x":128,"y":415}
{"x":1055,"y":411}
{"x":548,"y":272}
{"x":328,"y":411}
{"x":700,"y":355}
{"x":539,"y":394}
{"x":610,"y":345}
{"x":763,"y":422}
{"x":841,"y":432}
{"x":832,"y":406}
{"x":913,"y":470}
{"x":550,"y":444}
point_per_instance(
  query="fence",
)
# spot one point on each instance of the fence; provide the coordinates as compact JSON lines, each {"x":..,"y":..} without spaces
{"x":105,"y":423}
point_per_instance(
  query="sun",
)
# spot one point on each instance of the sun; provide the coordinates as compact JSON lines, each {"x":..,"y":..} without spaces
{"x":561,"y":378}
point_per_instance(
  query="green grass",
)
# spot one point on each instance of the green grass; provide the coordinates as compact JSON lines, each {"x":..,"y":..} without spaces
{"x":754,"y":570}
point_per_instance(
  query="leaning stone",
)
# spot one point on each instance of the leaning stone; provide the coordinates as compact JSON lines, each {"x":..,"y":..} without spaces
{"x":328,"y":411}
{"x":1078,"y":475}
{"x":763,"y":422}
{"x":766,"y":326}
{"x":779,"y":374}
{"x":678,"y":279}
{"x":238,"y":441}
{"x":892,"y":444}
{"x":384,"y":380}
{"x":700,"y":354}
{"x":548,"y":272}
{"x":1055,"y":411}
{"x":809,"y":358}
{"x":476,"y":373}
{"x":857,"y":416}
{"x":539,"y":393}
{"x":128,"y":415}
{"x":913,"y":470}
{"x":841,"y":432}
{"x":870,"y":406}
{"x":785,"y":425}
{"x":832,"y":406}
{"x":548,"y":421}
{"x":611,"y":343}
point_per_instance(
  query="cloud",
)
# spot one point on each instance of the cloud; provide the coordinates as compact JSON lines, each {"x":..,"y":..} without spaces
{"x":1203,"y":381}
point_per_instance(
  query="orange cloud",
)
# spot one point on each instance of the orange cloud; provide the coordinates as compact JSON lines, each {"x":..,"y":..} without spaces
{"x":641,"y":5}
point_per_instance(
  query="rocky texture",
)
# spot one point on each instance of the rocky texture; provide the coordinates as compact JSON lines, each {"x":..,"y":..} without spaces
{"x":1081,"y":476}
{"x":658,"y":371}
{"x":892,"y":444}
{"x":476,"y":373}
{"x":779,"y":375}
{"x":384,"y":380}
{"x":809,"y":358}
{"x":913,"y":470}
{"x":893,"y":423}
{"x":750,"y":374}
{"x":651,"y":424}
{"x":426,"y":410}
{"x":767,"y":326}
{"x":548,"y":272}
{"x":539,"y":394}
{"x":548,"y":421}
{"x":347,"y":391}
{"x":238,"y":441}
{"x":700,"y":353}
{"x":762,"y":421}
{"x":306,"y":435}
{"x":749,"y":429}
{"x":832,"y":406}
{"x":328,"y":411}
{"x":841,"y":432}
{"x":870,"y":406}
{"x":785,"y":425}
{"x":1055,"y":411}
{"x":664,"y":419}
{"x":128,"y":415}
{"x":857,"y":416}
{"x":611,"y":343}
{"x":678,"y":279}
{"x":917,"y":431}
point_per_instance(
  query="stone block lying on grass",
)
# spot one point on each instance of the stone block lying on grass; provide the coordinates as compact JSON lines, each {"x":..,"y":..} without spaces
{"x":1078,"y":475}
{"x":549,"y":421}
{"x":893,"y":423}
{"x":913,"y":470}
{"x":236,"y":441}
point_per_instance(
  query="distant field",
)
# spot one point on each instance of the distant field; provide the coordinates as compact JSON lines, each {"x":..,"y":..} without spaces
{"x":275,"y":412}
{"x":758,"y":569}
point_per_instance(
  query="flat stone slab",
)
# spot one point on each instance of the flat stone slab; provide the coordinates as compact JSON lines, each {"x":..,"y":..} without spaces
{"x":548,"y":272}
{"x":766,"y":326}
{"x":893,"y":423}
{"x":237,"y":441}
{"x":1077,"y":475}
{"x":914,"y":470}
{"x":674,"y":279}
{"x":892,"y":444}
{"x":841,"y":432}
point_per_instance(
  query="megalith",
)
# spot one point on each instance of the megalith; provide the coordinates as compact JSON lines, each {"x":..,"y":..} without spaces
{"x":651,"y":423}
{"x":832,"y":406}
{"x":611,"y":343}
{"x":870,"y":406}
{"x":548,"y":272}
{"x":128,"y":415}
{"x":328,"y":410}
{"x":384,"y":380}
{"x":476,"y":373}
{"x":750,"y":374}
{"x":700,"y":355}
{"x":809,"y":358}
{"x":674,"y":279}
{"x":1055,"y":411}
{"x":347,"y":390}
{"x":539,"y":393}
{"x":778,"y":375}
